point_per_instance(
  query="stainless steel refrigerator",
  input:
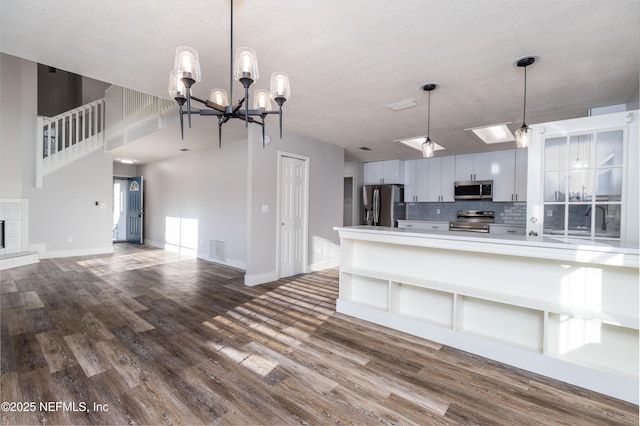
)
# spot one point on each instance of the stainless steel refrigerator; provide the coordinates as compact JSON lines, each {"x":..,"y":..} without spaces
{"x":380,"y":201}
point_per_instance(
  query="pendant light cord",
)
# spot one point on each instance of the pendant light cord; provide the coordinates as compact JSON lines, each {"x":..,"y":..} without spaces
{"x":524,"y":107}
{"x":231,"y":59}
{"x":428,"y":114}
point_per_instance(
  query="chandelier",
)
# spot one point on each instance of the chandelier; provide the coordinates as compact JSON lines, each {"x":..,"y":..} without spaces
{"x":186,"y":72}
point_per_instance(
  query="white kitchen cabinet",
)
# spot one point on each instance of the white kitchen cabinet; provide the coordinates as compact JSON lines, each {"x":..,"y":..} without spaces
{"x":510,"y":175}
{"x":410,"y":181}
{"x":441,"y":178}
{"x":473,"y":166}
{"x":505,"y":229}
{"x":522,"y":168}
{"x":384,"y":172}
{"x":416,"y":180}
{"x":424,"y":225}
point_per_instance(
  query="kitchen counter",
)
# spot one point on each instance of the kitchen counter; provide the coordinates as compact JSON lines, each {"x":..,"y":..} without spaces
{"x":603,"y":252}
{"x":566,"y":308}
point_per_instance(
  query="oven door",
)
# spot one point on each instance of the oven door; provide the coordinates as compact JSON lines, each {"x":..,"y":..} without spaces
{"x":467,"y":190}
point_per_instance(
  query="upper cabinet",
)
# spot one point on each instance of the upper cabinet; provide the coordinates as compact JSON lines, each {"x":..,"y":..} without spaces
{"x":384,"y":172}
{"x":509,"y":174}
{"x":474,"y":166}
{"x":416,"y":180}
{"x":440,"y":178}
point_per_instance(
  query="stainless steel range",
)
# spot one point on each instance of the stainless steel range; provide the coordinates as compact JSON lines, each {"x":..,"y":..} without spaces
{"x":472,"y":221}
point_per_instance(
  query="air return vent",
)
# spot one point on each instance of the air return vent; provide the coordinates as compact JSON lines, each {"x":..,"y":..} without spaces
{"x":218,"y":250}
{"x":402,"y":105}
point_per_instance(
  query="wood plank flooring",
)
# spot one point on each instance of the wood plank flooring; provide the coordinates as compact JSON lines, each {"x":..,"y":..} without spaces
{"x":155,"y":338}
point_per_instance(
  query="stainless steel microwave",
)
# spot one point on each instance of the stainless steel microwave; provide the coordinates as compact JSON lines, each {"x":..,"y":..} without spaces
{"x":473,"y":190}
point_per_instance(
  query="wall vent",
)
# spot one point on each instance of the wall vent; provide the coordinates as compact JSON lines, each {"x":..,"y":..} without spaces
{"x":218,"y":250}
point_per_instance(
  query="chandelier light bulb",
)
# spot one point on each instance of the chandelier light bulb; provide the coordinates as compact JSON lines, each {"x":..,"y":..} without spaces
{"x":219,"y":96}
{"x":187,"y":65}
{"x":246,"y":64}
{"x":280,"y":88}
{"x":177,"y":89}
{"x":261,"y":100}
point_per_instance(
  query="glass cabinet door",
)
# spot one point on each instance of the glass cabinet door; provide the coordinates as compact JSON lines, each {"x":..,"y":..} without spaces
{"x":582,"y":188}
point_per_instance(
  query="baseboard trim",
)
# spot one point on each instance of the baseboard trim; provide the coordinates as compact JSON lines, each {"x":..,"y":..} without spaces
{"x":74,"y":253}
{"x":234,"y":263}
{"x":257,"y":279}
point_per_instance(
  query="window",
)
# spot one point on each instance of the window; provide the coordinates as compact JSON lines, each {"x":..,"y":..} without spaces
{"x":582,"y":191}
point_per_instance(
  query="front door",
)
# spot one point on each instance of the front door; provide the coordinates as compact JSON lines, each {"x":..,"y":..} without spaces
{"x":135,"y":210}
{"x":292,"y":216}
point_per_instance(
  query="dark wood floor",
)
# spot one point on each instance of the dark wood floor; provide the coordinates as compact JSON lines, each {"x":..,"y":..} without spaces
{"x":152,"y":338}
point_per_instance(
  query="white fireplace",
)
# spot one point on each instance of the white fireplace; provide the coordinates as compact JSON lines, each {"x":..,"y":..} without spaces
{"x":15,"y":214}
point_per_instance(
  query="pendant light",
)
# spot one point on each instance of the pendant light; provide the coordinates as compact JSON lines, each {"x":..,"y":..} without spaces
{"x":524,"y":133}
{"x":428,"y":147}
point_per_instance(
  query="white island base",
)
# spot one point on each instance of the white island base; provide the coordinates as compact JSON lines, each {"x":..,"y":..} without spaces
{"x":565,"y":310}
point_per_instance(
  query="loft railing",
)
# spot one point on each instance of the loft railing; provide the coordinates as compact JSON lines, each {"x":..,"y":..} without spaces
{"x":129,"y":109}
{"x":68,"y":136}
{"x":113,"y":120}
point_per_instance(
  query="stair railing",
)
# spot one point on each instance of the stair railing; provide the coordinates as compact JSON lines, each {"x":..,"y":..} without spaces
{"x":68,"y":136}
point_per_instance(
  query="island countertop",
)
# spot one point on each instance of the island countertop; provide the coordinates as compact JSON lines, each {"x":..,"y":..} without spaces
{"x":602,"y":252}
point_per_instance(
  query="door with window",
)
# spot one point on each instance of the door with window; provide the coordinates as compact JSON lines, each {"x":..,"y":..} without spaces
{"x":135,"y":211}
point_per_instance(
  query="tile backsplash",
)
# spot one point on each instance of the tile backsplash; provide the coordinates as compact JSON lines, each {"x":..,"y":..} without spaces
{"x":506,"y":213}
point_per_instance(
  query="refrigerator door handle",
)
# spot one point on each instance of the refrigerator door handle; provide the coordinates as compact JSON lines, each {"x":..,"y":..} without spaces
{"x":376,"y":206}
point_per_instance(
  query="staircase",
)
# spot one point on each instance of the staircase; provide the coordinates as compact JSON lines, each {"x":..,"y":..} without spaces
{"x":122,"y":116}
{"x":64,"y":138}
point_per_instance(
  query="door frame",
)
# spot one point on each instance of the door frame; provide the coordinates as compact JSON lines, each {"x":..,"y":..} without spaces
{"x":124,"y":179}
{"x":305,"y":218}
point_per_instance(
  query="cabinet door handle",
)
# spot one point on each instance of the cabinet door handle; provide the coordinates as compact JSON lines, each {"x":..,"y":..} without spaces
{"x":516,"y":197}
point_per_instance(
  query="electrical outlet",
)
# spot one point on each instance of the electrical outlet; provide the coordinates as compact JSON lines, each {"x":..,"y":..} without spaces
{"x":549,"y":213}
{"x":437,"y":211}
{"x":69,"y":240}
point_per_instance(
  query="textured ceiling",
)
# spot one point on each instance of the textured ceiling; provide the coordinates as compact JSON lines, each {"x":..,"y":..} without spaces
{"x":348,"y":59}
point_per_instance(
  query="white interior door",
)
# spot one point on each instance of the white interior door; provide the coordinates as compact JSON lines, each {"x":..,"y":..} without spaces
{"x":293,"y":215}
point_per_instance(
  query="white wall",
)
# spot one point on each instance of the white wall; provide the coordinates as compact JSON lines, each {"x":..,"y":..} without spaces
{"x":18,"y":97}
{"x":206,"y":185}
{"x":326,"y":164}
{"x":65,"y":206}
{"x":124,"y":170}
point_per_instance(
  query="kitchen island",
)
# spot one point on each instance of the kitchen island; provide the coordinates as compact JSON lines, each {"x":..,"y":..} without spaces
{"x":565,"y":308}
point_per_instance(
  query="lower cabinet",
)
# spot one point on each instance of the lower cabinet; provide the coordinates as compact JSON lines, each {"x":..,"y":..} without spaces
{"x":423,"y":224}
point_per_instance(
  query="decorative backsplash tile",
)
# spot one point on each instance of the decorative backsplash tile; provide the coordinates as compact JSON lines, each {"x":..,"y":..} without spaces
{"x":506,"y":213}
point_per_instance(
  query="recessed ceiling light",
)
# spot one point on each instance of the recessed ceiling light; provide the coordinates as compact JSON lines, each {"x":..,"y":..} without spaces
{"x":402,"y":105}
{"x":416,"y":143}
{"x":126,"y":160}
{"x":495,"y":133}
